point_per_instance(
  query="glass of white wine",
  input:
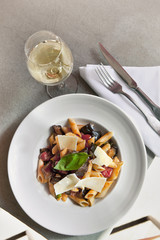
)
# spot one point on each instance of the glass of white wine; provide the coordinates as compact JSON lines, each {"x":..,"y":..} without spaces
{"x":50,"y":62}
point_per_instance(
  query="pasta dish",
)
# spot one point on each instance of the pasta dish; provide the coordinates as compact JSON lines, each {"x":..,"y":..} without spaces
{"x":79,"y":163}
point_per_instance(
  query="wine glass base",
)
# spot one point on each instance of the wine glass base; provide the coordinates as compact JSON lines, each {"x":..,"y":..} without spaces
{"x":69,"y":86}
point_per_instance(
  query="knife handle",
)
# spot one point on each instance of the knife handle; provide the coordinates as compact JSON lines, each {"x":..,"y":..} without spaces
{"x":152,"y":121}
{"x":155,"y":108}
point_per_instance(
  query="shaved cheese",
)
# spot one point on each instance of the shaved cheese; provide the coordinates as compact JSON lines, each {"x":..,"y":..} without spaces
{"x":66,"y":184}
{"x":101,"y":157}
{"x":69,"y":142}
{"x":95,"y":183}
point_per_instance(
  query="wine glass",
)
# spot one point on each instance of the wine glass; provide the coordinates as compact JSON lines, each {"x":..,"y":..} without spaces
{"x":50,"y":62}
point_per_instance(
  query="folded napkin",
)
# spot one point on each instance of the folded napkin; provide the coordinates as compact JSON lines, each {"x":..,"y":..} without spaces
{"x":13,"y":228}
{"x":148,"y":79}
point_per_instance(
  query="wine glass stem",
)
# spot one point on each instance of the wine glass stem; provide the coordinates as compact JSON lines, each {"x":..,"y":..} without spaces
{"x":60,"y":86}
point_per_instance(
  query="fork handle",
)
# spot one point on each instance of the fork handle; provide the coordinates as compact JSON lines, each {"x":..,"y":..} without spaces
{"x":155,"y":108}
{"x":152,"y":121}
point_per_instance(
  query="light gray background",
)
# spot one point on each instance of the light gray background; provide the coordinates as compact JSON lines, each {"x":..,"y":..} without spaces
{"x":129,"y":29}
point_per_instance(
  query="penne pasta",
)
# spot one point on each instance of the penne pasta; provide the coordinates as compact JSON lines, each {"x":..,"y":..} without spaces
{"x":64,"y":197}
{"x":112,"y":165}
{"x":90,"y":196}
{"x":57,"y":142}
{"x":55,"y":149}
{"x":74,"y":126}
{"x":51,"y":189}
{"x":105,"y":189}
{"x":104,"y":138}
{"x":91,"y":140}
{"x":116,"y":159}
{"x":88,"y":173}
{"x":96,"y":174}
{"x":63,"y":152}
{"x":116,"y":172}
{"x":98,"y":168}
{"x":91,"y":201}
{"x":40,"y":175}
{"x":80,"y":126}
{"x":106,"y":147}
{"x":51,"y":140}
{"x":66,"y":129}
{"x":75,"y":189}
{"x":82,"y":202}
{"x":111,"y":152}
{"x":81,"y":146}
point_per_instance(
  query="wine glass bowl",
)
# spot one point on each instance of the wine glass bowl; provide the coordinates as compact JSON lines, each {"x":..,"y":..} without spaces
{"x":49,"y":59}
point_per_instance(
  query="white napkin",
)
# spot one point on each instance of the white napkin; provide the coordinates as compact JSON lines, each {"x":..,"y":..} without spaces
{"x":11,"y":226}
{"x":148,"y":79}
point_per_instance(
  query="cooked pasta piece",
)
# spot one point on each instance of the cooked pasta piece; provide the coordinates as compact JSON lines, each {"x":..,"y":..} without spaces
{"x":112,"y":165}
{"x":74,"y":126}
{"x":82,"y":202}
{"x":90,"y":196}
{"x":88,"y":173}
{"x":116,"y":159}
{"x":116,"y":171}
{"x":80,"y":126}
{"x":57,"y":142}
{"x":51,"y":189}
{"x":111,"y":152}
{"x":96,"y":174}
{"x":63,"y":152}
{"x":91,"y":140}
{"x":64,"y":197}
{"x":81,"y":146}
{"x":75,"y":189}
{"x":106,"y":147}
{"x":51,"y":140}
{"x":104,"y":138}
{"x":55,"y":149}
{"x":40,"y":175}
{"x":98,"y":168}
{"x":105,"y":189}
{"x":66,"y":129}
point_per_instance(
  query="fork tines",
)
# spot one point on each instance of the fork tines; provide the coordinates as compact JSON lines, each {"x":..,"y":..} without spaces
{"x":104,"y":76}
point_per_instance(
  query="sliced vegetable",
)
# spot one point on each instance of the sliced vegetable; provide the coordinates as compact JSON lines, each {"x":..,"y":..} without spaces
{"x":89,"y":129}
{"x":72,"y":161}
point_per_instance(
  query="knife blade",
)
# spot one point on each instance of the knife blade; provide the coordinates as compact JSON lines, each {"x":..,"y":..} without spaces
{"x":130,"y":81}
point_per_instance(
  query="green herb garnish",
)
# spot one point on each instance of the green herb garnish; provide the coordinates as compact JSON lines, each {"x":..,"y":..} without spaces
{"x":71,"y":161}
{"x":58,"y":196}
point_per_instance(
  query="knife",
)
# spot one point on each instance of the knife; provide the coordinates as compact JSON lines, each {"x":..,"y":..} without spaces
{"x":129,"y":80}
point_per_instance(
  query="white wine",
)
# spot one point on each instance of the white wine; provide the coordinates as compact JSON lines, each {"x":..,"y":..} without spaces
{"x":50,"y":62}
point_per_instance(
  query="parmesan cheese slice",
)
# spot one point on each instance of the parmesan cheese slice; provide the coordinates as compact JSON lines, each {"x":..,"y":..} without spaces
{"x":69,"y":142}
{"x":95,"y":183}
{"x":101,"y":157}
{"x":66,"y":184}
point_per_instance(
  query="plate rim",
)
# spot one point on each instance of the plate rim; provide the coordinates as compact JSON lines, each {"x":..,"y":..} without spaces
{"x":89,"y":96}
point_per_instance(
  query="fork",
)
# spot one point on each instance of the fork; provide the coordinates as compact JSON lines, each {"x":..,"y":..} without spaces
{"x":115,"y":87}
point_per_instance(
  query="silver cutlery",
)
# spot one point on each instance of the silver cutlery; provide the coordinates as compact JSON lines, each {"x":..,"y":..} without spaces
{"x":115,"y":87}
{"x":129,"y":80}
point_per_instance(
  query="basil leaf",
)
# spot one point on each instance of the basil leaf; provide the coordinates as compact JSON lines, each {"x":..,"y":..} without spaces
{"x":71,"y":161}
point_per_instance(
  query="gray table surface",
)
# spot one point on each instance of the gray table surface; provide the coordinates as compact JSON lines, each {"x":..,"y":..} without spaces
{"x":129,"y":29}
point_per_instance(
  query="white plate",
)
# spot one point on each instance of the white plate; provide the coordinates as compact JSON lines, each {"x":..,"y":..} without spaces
{"x":66,"y":217}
